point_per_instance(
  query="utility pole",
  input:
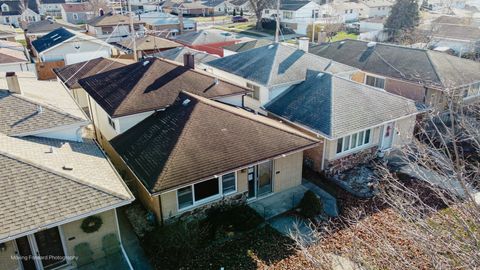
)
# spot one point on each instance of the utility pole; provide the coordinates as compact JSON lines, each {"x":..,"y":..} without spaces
{"x":313,"y":26}
{"x":277,"y":28}
{"x":132,"y":31}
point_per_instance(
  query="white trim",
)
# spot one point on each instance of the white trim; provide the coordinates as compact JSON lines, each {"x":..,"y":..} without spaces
{"x":120,"y":239}
{"x":393,"y":133}
{"x":57,"y":128}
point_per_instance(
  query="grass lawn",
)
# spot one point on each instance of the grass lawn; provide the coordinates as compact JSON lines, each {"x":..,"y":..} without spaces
{"x":247,"y":28}
{"x":230,"y":236}
{"x":343,"y":35}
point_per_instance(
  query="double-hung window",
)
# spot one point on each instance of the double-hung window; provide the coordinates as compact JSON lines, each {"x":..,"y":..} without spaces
{"x":375,"y":81}
{"x":354,"y":141}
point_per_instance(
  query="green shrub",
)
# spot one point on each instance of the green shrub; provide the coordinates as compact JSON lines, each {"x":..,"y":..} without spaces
{"x":236,"y":218}
{"x":310,"y":205}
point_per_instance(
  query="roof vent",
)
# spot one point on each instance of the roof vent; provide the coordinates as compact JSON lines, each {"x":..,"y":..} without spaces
{"x":50,"y":150}
{"x":215,"y":81}
{"x":39,"y":108}
{"x":67,"y":167}
{"x":185,"y":102}
{"x":371,"y":44}
{"x":146,"y":63}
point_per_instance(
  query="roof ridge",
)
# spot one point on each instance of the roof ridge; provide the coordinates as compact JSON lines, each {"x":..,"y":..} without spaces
{"x":277,"y":46}
{"x":61,"y":174}
{"x":236,"y":110}
{"x":46,"y":105}
{"x":434,"y":68}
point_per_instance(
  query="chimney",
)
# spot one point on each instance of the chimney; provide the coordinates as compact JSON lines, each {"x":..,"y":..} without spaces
{"x":303,"y":44}
{"x":12,"y":83}
{"x":189,"y":60}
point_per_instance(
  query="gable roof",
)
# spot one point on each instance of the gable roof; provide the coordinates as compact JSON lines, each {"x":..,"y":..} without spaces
{"x":292,"y":5}
{"x":14,"y":8}
{"x":12,"y":55}
{"x":275,"y":64}
{"x":334,"y":107}
{"x":35,"y":192}
{"x":196,"y":138}
{"x":245,"y":46}
{"x":207,"y":36}
{"x":419,"y":66}
{"x":149,"y":43}
{"x":453,"y":31}
{"x":176,"y":54}
{"x":20,"y":115}
{"x":78,"y":7}
{"x":72,"y":73}
{"x":151,"y":84}
{"x":51,"y":39}
{"x":110,"y":19}
{"x":47,"y":26}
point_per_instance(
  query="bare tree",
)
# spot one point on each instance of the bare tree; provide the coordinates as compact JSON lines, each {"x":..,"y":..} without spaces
{"x":258,"y":6}
{"x":426,"y":214}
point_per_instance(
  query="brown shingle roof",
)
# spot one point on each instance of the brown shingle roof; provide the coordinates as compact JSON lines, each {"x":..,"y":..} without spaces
{"x":197,"y":138}
{"x":112,"y":20}
{"x":78,"y":7}
{"x":72,"y":73}
{"x":151,"y":84}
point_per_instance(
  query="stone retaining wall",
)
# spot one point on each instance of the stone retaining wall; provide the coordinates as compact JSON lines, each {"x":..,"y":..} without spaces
{"x":350,"y":161}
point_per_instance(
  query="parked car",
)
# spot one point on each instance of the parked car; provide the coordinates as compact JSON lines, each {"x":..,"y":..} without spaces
{"x":236,"y":19}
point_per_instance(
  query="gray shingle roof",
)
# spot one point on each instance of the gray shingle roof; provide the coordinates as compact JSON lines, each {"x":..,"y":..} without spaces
{"x":204,"y":37}
{"x":335,"y":107}
{"x":292,"y":5}
{"x":276,"y":64}
{"x":36,"y":192}
{"x":420,"y":66}
{"x":47,"y":26}
{"x":176,"y":54}
{"x":20,"y":115}
{"x":197,"y":139}
{"x":245,"y":46}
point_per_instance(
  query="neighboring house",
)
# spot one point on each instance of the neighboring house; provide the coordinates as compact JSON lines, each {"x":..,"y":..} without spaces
{"x":461,"y":38}
{"x":144,"y":88}
{"x":7,"y":32}
{"x":445,"y":6}
{"x":219,"y":7}
{"x":349,"y":11}
{"x":208,"y":40}
{"x":421,"y":75}
{"x":147,"y":45}
{"x":13,"y":57}
{"x":245,"y":46}
{"x":199,"y":152}
{"x":177,"y":55}
{"x":13,"y":13}
{"x":114,"y":27}
{"x":378,"y":8}
{"x":69,"y":76}
{"x":51,"y":8}
{"x":39,"y":29}
{"x":53,"y":186}
{"x":271,"y":69}
{"x":296,"y":15}
{"x":167,"y":25}
{"x":77,"y":13}
{"x":70,"y":46}
{"x":372,"y":24}
{"x":353,"y":120}
{"x":194,"y":8}
{"x":241,"y":6}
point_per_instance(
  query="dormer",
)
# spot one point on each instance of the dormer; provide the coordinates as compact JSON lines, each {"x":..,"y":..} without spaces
{"x":5,"y":8}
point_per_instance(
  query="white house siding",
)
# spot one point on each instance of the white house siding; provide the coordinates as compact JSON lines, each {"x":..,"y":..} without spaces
{"x":378,"y":11}
{"x":88,"y":49}
{"x":100,"y":120}
{"x":300,"y":18}
{"x":126,"y":122}
{"x":404,"y":129}
{"x":119,"y":33}
{"x":236,"y":100}
{"x":70,"y":133}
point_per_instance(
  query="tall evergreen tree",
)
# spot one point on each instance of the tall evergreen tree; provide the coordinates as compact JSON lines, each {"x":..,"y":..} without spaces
{"x":403,"y":16}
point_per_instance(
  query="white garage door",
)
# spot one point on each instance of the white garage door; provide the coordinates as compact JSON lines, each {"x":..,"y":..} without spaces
{"x":73,"y":58}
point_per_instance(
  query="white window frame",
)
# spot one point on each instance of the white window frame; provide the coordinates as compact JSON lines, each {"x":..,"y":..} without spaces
{"x":357,"y":147}
{"x":376,"y":77}
{"x":288,"y":15}
{"x":208,"y":199}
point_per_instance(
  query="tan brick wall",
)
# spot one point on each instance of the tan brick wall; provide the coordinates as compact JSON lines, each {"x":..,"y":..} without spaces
{"x":287,"y":172}
{"x":169,"y":204}
{"x":74,"y":234}
{"x":6,"y":260}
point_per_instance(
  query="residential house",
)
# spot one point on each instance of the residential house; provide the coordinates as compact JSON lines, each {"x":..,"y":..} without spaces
{"x":13,"y":13}
{"x":77,"y":13}
{"x":147,"y":45}
{"x":166,"y":25}
{"x":354,"y":121}
{"x":7,"y":32}
{"x":50,"y":8}
{"x":177,"y":55}
{"x":245,"y":46}
{"x":209,"y":40}
{"x":13,"y":57}
{"x":70,"y":46}
{"x":378,"y":8}
{"x":188,"y":8}
{"x":114,"y":27}
{"x":418,"y":74}
{"x":199,"y":152}
{"x":271,"y":69}
{"x":59,"y":191}
{"x":69,"y":76}
{"x":241,"y":6}
{"x":445,"y":7}
{"x":219,"y":7}
{"x":349,"y":11}
{"x":39,"y":29}
{"x":296,"y":15}
{"x":457,"y":34}
{"x":145,"y":87}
